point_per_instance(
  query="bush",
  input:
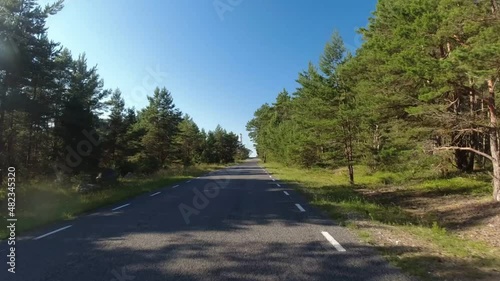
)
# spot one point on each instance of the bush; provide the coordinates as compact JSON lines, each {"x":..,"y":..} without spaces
{"x":145,"y":164}
{"x":81,"y":178}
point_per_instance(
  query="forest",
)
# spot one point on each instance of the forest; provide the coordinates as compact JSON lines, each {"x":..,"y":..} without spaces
{"x":419,"y":95}
{"x":57,"y":119}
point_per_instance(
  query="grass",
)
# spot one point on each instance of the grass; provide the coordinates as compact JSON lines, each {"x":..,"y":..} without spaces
{"x":42,"y":203}
{"x":437,"y":254}
{"x":462,"y":185}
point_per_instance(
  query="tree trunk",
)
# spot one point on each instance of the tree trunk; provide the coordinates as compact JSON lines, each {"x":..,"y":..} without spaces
{"x":496,"y":181}
{"x":2,"y":142}
{"x":464,"y":160}
{"x":349,"y":150}
{"x":350,"y":161}
{"x":351,"y":174}
{"x":31,"y":120}
{"x":494,"y":7}
{"x":495,"y":155}
{"x":10,"y":141}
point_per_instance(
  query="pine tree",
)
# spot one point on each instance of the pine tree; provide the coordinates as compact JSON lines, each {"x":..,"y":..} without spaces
{"x":116,"y":128}
{"x":159,"y":120}
{"x":189,"y":141}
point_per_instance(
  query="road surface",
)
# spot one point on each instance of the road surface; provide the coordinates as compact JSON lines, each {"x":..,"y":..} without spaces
{"x":239,"y":223}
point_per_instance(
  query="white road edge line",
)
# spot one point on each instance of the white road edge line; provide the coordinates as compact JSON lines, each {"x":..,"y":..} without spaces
{"x":154,"y":194}
{"x":300,"y":207}
{"x":333,"y":241}
{"x":119,"y":207}
{"x":286,"y":193}
{"x":52,"y":232}
{"x":175,"y":186}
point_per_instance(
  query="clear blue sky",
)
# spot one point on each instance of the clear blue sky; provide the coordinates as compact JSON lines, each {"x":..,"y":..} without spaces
{"x":219,"y":66}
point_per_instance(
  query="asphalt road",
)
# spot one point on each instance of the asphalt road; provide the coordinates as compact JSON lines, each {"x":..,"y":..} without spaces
{"x":246,"y":226}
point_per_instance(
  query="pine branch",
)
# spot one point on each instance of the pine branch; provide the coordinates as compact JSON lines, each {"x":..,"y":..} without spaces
{"x":467,"y":149}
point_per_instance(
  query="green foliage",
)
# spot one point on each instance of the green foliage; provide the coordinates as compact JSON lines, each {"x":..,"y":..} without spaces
{"x":189,"y":141}
{"x":319,"y":124}
{"x":220,"y":147}
{"x":51,"y":102}
{"x":424,"y":80}
{"x":159,"y":122}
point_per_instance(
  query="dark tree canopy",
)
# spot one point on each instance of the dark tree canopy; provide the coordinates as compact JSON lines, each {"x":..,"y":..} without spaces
{"x":423,"y":82}
{"x":56,"y":116}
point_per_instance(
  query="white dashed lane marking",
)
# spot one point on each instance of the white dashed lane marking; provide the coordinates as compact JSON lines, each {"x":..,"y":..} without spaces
{"x":300,"y":207}
{"x":286,"y":193}
{"x":333,"y":241}
{"x":52,"y":232}
{"x":119,"y":207}
{"x":154,"y":194}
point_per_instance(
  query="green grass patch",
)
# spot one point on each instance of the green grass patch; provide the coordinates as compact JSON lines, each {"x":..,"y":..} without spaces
{"x":329,"y":190}
{"x":457,"y":185}
{"x":42,"y":203}
{"x":454,"y":245}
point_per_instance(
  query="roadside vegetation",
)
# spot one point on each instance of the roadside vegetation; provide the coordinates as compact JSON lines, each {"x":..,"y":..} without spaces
{"x":73,"y":143}
{"x":41,"y":203}
{"x":432,"y":227}
{"x":57,"y":119}
{"x":399,"y":139}
{"x":418,"y":95}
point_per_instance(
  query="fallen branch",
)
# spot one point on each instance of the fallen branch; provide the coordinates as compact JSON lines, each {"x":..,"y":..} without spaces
{"x":467,"y":149}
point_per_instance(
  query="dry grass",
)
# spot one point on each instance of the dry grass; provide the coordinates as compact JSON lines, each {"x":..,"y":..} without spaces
{"x":433,"y":228}
{"x":41,"y":203}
